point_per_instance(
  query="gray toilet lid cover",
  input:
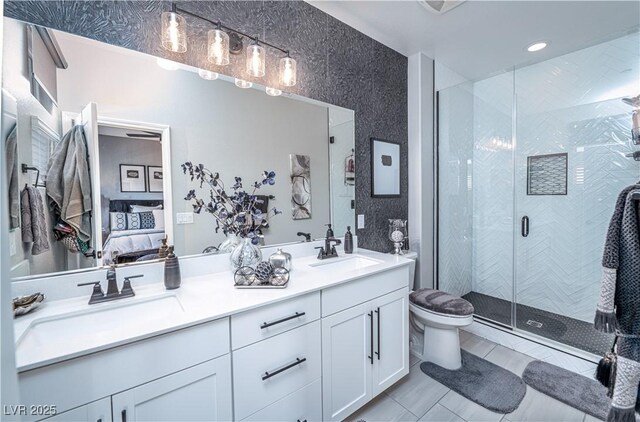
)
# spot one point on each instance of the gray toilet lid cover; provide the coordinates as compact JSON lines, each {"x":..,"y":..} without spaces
{"x":441,"y":302}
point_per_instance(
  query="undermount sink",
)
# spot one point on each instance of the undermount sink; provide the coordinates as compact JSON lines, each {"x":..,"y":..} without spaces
{"x":100,"y":323}
{"x":345,"y":263}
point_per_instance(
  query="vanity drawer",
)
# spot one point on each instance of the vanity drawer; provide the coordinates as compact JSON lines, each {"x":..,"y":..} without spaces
{"x":269,"y":370}
{"x":267,"y":321}
{"x":338,"y":298}
{"x":303,"y":405}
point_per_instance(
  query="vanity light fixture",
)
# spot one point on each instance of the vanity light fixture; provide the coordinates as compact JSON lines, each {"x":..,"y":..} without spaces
{"x":274,"y":92}
{"x":207,"y":74}
{"x":222,"y":40}
{"x":241,"y":83}
{"x":255,"y":59}
{"x":536,"y":46}
{"x":174,"y":31}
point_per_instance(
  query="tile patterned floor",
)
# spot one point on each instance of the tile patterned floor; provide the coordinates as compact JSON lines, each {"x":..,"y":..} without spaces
{"x":418,"y":397}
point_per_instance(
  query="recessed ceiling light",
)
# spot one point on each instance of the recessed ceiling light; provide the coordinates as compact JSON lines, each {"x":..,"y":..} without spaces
{"x":537,"y":46}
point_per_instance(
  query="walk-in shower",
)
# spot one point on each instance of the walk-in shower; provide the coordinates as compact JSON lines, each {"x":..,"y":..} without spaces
{"x":530,"y":163}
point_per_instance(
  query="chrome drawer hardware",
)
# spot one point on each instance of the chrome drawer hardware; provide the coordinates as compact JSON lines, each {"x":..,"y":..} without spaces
{"x":268,"y":374}
{"x":269,"y":324}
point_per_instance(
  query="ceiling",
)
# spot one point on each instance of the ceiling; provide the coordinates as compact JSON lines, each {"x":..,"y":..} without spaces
{"x":481,"y":38}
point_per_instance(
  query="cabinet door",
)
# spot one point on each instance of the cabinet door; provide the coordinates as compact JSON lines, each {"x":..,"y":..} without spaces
{"x":346,"y":361}
{"x":199,"y":393}
{"x":97,"y":411}
{"x":391,"y":339}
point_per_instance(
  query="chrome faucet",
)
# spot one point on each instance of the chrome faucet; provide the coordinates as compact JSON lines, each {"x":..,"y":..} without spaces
{"x":98,"y":296}
{"x":329,"y":250}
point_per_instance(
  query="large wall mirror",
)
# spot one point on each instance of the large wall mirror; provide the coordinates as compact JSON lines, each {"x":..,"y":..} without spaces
{"x":101,"y":136}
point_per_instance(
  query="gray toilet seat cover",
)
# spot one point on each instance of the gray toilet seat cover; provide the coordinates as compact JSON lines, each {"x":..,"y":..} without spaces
{"x":441,"y":302}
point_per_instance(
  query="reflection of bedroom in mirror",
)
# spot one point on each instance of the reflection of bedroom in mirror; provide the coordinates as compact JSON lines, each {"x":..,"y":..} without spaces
{"x":132,"y":209}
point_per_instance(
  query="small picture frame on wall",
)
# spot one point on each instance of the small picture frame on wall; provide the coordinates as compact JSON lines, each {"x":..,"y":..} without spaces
{"x":154,"y":179}
{"x":132,"y":178}
{"x":385,"y":168}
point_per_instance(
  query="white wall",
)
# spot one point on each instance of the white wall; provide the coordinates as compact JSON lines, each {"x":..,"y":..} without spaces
{"x":16,"y":80}
{"x":115,"y":151}
{"x":235,"y":132}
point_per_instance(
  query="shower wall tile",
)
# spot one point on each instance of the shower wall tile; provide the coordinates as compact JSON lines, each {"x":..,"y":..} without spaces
{"x":336,"y":64}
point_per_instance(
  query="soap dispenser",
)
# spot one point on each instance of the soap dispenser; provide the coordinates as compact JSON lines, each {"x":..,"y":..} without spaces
{"x":348,"y":241}
{"x":164,"y":249}
{"x":172,"y":278}
{"x":329,"y":231}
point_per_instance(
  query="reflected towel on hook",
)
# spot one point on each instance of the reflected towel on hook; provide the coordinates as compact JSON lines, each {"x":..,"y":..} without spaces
{"x":34,"y":224}
{"x":12,"y":173}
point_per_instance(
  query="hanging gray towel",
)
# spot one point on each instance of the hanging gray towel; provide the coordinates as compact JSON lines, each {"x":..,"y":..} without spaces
{"x":34,"y":225}
{"x":619,"y":304}
{"x":68,"y":182}
{"x":12,"y":177}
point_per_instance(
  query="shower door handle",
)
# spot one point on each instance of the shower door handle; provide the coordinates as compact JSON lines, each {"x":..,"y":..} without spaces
{"x":525,"y":226}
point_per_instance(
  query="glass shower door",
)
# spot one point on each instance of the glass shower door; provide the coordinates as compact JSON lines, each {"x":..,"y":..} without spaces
{"x":572,"y":137}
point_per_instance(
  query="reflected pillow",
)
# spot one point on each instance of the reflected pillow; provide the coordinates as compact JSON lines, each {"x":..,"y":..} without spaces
{"x":143,"y":208}
{"x":158,"y":216}
{"x":118,"y":221}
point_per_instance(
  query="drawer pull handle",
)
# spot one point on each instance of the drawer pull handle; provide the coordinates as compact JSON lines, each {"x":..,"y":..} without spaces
{"x":370,"y":314}
{"x":379,"y":314}
{"x":268,"y":374}
{"x":124,"y":415}
{"x":302,"y":420}
{"x":269,"y":324}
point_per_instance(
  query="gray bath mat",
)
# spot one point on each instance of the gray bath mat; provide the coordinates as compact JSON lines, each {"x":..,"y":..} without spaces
{"x":576,"y":390}
{"x":482,"y":382}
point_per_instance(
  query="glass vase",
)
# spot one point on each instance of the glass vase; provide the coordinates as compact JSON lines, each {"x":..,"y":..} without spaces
{"x":229,"y":243}
{"x":245,"y":254}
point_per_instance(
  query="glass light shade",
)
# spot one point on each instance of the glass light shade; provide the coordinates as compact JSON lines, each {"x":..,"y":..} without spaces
{"x":240,"y":83}
{"x":174,"y":32}
{"x":287,"y":71}
{"x":207,"y":74}
{"x":167,"y":64}
{"x":256,"y":60}
{"x":274,"y":92}
{"x":218,"y":47}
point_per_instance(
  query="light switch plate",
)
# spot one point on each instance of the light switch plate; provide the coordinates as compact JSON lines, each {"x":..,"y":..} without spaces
{"x":361,"y":221}
{"x":184,"y":218}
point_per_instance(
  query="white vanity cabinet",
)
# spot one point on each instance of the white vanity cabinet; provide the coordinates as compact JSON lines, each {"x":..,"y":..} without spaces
{"x":364,"y":347}
{"x":200,"y":393}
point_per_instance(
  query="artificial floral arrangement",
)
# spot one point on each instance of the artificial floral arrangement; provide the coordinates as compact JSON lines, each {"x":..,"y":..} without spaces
{"x":236,"y":212}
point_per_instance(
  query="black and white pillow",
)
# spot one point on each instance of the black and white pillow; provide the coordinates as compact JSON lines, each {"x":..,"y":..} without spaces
{"x":133,"y":221}
{"x":118,"y":221}
{"x":147,"y":220}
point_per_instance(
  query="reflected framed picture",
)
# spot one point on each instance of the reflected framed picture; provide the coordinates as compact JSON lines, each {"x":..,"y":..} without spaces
{"x":132,"y":178}
{"x":154,"y":179}
{"x":385,"y":168}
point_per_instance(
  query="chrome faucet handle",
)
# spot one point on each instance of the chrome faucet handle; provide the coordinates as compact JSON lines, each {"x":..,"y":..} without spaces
{"x":97,"y":293}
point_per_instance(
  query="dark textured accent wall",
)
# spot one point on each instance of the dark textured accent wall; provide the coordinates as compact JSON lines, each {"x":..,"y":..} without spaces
{"x":336,"y":64}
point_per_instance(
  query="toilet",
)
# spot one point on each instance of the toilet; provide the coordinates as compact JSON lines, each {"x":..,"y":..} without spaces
{"x":439,"y":315}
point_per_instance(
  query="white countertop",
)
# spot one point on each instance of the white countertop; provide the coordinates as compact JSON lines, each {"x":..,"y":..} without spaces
{"x":154,"y":310}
